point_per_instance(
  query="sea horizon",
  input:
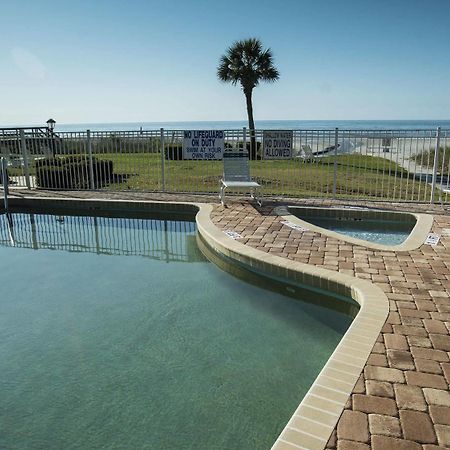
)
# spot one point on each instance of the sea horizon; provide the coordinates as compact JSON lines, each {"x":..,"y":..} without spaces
{"x":424,"y":124}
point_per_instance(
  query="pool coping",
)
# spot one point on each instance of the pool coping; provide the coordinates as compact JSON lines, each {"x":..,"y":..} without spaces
{"x":316,"y":416}
{"x":415,"y":239}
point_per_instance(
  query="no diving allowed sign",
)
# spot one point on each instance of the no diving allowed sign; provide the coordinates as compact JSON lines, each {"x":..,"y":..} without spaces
{"x":277,"y":144}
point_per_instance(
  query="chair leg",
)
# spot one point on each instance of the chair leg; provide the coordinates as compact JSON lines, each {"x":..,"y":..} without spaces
{"x":258,"y":197}
{"x":255,"y":195}
{"x":222,"y":199}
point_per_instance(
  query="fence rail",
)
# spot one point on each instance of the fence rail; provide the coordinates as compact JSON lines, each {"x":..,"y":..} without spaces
{"x":397,"y":165}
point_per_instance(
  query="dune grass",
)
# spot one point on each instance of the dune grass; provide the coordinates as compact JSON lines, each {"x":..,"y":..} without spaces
{"x":426,"y":159}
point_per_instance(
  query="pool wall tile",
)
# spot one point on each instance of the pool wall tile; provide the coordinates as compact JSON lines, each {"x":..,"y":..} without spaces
{"x":327,"y":379}
{"x":323,"y":404}
{"x":303,"y":439}
{"x":314,"y":414}
{"x":307,"y":425}
{"x":283,"y":445}
{"x":329,"y":393}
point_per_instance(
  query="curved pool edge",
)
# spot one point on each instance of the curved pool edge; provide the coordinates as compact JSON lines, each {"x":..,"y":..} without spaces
{"x":415,"y":239}
{"x":316,"y":416}
{"x":318,"y":413}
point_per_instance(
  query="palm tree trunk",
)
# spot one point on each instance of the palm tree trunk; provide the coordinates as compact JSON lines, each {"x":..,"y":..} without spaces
{"x":251,"y":124}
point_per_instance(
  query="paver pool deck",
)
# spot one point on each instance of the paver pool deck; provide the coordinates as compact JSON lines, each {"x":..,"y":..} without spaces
{"x":401,"y":400}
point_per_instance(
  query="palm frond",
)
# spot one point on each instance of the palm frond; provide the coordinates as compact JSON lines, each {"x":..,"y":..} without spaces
{"x":246,"y":62}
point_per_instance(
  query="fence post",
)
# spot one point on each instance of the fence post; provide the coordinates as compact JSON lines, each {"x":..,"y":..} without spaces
{"x":435,"y":163}
{"x":163,"y":151}
{"x":23,"y":150}
{"x":336,"y":143}
{"x":91,"y":162}
{"x":244,"y":138}
{"x":5,"y":181}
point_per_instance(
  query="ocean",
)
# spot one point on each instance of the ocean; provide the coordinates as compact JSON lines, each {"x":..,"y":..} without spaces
{"x":263,"y":125}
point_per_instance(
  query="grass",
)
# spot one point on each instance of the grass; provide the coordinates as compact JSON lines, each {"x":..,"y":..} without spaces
{"x":357,"y":176}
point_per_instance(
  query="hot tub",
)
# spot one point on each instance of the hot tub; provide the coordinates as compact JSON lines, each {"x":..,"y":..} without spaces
{"x":378,"y":229}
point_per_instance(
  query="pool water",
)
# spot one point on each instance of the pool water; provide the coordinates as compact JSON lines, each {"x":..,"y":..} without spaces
{"x":118,"y":333}
{"x":386,"y":232}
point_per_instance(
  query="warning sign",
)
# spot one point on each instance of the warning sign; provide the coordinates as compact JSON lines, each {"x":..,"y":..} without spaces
{"x":278,"y":144}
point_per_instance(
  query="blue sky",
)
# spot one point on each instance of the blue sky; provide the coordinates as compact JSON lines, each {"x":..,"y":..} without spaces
{"x":126,"y":61}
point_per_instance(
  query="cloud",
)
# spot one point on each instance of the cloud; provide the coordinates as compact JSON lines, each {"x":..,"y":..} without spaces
{"x":28,"y":63}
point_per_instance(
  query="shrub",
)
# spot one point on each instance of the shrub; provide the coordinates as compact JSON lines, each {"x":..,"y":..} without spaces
{"x":174,"y":152}
{"x":239,"y":145}
{"x":72,"y":172}
{"x":1,"y":175}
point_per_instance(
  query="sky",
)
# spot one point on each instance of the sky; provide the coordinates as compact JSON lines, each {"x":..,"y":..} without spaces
{"x":144,"y":61}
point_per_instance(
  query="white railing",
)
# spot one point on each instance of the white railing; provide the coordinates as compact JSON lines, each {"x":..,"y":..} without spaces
{"x":394,"y":165}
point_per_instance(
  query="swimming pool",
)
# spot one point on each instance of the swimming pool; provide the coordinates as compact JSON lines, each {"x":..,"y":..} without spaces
{"x":117,"y":332}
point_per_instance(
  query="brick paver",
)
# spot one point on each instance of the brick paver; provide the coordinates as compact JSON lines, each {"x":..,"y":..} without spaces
{"x":407,"y":399}
{"x":353,"y":426}
{"x":402,"y":399}
{"x":384,"y":425}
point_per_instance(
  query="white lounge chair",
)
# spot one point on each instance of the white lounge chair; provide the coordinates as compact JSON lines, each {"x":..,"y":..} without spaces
{"x":307,"y":153}
{"x":236,"y":175}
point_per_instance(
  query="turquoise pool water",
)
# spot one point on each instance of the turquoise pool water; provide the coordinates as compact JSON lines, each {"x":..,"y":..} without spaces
{"x":386,"y":232}
{"x":118,"y":333}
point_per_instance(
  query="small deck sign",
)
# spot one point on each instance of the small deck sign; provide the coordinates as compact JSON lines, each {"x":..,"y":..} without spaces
{"x":432,"y":239}
{"x":277,"y":144}
{"x":203,"y":144}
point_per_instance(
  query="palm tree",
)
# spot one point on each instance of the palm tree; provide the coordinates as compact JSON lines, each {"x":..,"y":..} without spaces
{"x":246,"y":62}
